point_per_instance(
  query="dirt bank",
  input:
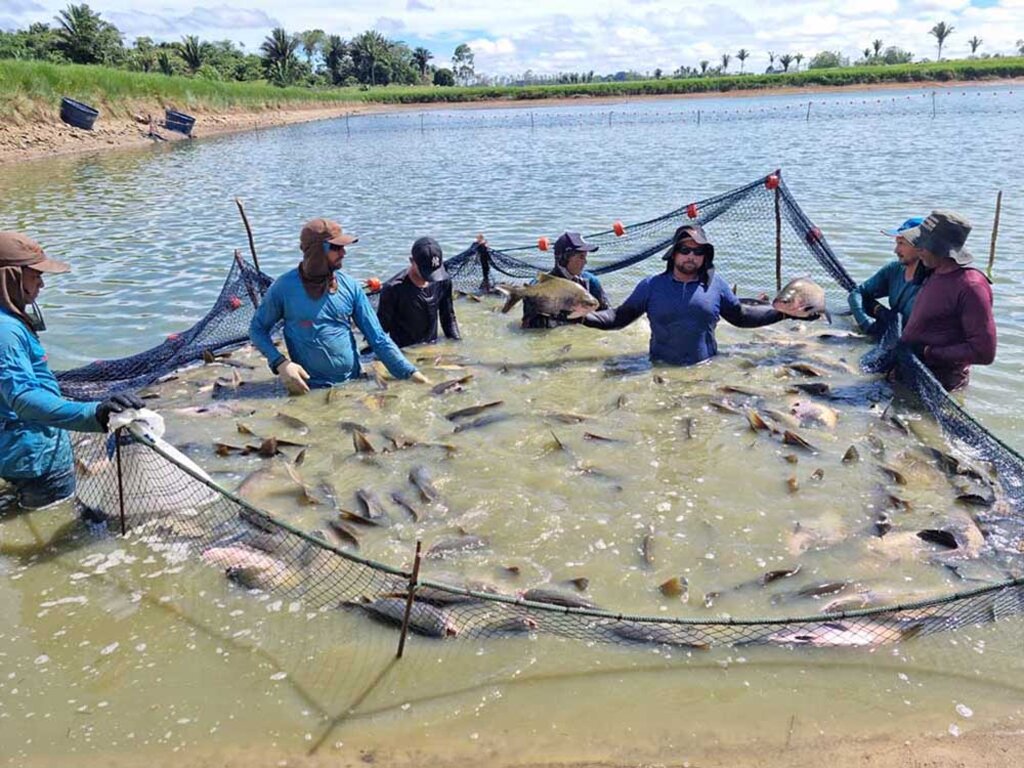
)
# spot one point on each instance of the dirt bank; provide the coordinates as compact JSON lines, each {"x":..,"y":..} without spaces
{"x":47,"y":136}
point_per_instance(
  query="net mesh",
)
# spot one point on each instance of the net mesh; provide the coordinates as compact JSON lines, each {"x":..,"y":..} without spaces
{"x":140,"y":485}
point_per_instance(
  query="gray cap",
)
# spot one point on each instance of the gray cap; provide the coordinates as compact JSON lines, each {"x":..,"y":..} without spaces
{"x":944,"y":234}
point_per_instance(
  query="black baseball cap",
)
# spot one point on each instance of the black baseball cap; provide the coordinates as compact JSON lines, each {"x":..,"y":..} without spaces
{"x":573,"y":242}
{"x":429,"y":259}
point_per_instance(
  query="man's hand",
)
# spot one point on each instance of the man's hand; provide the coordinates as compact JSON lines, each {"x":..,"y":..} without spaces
{"x":294,"y":377}
{"x":123,"y":401}
{"x":419,"y":378}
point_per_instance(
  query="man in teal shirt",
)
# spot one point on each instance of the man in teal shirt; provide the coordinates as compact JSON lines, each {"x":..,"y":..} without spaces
{"x":899,"y":281}
{"x":319,"y":305}
{"x":35,"y":449}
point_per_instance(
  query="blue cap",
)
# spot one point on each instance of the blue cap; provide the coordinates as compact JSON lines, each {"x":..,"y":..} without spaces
{"x":916,"y":221}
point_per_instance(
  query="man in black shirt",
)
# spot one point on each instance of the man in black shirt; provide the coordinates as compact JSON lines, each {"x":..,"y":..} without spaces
{"x":414,"y":300}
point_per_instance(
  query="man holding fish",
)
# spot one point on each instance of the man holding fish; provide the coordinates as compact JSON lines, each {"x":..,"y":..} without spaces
{"x":685,"y":302}
{"x":570,"y":261}
{"x":319,"y":304}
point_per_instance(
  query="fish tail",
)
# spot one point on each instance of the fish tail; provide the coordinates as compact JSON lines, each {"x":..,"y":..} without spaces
{"x":512,"y":297}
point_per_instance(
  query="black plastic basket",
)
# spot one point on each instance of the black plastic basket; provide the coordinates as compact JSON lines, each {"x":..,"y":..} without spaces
{"x":77,"y":114}
{"x":179,"y":121}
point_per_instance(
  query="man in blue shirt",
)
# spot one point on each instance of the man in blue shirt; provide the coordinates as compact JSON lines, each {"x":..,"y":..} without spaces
{"x":899,"y":281}
{"x":684,"y":303}
{"x":35,"y":449}
{"x":570,"y":259}
{"x":319,"y":304}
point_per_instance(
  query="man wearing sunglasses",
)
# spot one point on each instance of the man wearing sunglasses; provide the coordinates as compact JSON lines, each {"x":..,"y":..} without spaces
{"x":319,"y":305}
{"x":684,"y":303}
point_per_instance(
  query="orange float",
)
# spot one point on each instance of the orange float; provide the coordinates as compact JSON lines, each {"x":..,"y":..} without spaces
{"x":772,"y":182}
{"x":813,"y":235}
{"x":542,"y":243}
{"x":691,"y":210}
{"x":234,"y":302}
{"x":373,"y":284}
{"x":618,"y":229}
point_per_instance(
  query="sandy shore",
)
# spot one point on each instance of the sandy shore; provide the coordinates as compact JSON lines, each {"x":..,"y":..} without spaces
{"x":47,"y":136}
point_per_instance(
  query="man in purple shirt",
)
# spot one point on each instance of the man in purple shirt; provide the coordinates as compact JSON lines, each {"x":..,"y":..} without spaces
{"x":951,"y":325}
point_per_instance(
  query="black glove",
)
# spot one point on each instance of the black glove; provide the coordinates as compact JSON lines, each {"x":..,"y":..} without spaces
{"x":883,"y":315}
{"x":118,"y":403}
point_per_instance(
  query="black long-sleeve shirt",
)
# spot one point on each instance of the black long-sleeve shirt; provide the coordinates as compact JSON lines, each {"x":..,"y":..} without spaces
{"x":410,"y":314}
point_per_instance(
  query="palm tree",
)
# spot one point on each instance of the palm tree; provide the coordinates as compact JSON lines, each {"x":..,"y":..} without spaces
{"x":975,"y":42}
{"x":368,"y":50}
{"x":940,"y":32}
{"x":84,"y":37}
{"x":867,"y":54}
{"x":312,"y":40}
{"x":798,"y":57}
{"x":278,"y":50}
{"x":163,"y":62}
{"x":421,"y":58}
{"x":1020,"y":46}
{"x":192,"y":52}
{"x":742,"y":54}
{"x":726,"y":58}
{"x":335,"y":51}
{"x":704,"y":66}
{"x":771,"y":59}
{"x":785,"y":60}
{"x":877,"y":46}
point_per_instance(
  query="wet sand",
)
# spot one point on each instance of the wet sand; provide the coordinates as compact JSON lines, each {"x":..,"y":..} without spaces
{"x":47,"y":136}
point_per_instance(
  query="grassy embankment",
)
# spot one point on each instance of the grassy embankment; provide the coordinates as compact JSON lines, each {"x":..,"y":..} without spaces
{"x":31,"y":90}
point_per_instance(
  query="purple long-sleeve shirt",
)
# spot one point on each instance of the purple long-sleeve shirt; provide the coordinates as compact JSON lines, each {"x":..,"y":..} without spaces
{"x":952,"y":321}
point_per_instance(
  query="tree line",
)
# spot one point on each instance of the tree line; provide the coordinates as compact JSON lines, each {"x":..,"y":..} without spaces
{"x":316,"y":58}
{"x":311,"y":58}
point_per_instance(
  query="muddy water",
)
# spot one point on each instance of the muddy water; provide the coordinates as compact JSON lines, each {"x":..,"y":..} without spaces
{"x":118,"y":650}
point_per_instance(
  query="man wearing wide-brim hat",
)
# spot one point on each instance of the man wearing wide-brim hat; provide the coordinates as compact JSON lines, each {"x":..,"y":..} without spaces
{"x":319,"y":305}
{"x":951,"y":326}
{"x":35,"y":449}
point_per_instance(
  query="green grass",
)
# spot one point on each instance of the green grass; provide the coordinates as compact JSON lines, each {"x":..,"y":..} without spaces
{"x":32,"y":89}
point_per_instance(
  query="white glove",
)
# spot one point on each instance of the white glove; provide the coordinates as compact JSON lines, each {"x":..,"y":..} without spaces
{"x":294,"y":377}
{"x":419,"y":378}
{"x":148,"y":422}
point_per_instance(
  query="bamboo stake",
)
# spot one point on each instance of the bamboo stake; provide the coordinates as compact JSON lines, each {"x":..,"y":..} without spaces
{"x":120,"y":477}
{"x":995,"y":234}
{"x":778,"y":242}
{"x":248,"y":231}
{"x":413,"y":581}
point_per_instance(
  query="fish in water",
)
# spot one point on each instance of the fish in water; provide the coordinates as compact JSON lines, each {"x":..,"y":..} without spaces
{"x":473,"y":410}
{"x":551,"y":296}
{"x":452,"y":385}
{"x":557,"y":597}
{"x":405,"y":504}
{"x":420,"y":477}
{"x":373,"y":507}
{"x":456,"y":545}
{"x":424,"y":619}
{"x":846,"y":633}
{"x":811,"y":414}
{"x":660,"y":634}
{"x":801,"y":298}
{"x":483,"y":421}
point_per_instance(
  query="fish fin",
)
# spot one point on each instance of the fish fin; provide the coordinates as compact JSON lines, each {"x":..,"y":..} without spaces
{"x":828,"y":316}
{"x":543,"y":277}
{"x":511,"y":298}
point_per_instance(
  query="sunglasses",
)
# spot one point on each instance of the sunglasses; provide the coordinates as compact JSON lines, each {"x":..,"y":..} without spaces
{"x":335,"y":248}
{"x":698,"y":251}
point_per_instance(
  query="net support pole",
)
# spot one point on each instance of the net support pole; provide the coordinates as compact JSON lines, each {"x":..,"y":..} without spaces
{"x":778,"y":242}
{"x":809,"y":111}
{"x":248,"y":232}
{"x":698,"y":117}
{"x":248,"y":288}
{"x":348,"y":130}
{"x":421,"y":123}
{"x":120,"y":478}
{"x":933,"y":105}
{"x":995,"y":234}
{"x":531,"y":121}
{"x":413,"y":581}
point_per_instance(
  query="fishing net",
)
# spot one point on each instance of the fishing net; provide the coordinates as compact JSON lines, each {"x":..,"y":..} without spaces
{"x":121,"y":476}
{"x":762,"y":238}
{"x":226,"y":325}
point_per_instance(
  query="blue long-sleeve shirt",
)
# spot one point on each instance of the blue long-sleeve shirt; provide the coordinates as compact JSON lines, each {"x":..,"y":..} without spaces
{"x":889,"y":282}
{"x":33,"y":416}
{"x":683,"y":316}
{"x":318,"y":332}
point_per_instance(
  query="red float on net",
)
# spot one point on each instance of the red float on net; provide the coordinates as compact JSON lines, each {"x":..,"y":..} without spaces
{"x":373,"y":284}
{"x":619,"y":229}
{"x":813,"y":235}
{"x":542,"y":243}
{"x":691,"y":210}
{"x":173,"y":336}
{"x":772,"y":182}
{"x":234,"y":302}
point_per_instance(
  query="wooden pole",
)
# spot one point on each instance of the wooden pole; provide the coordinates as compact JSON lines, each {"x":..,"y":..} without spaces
{"x":778,"y":242}
{"x":413,"y":581}
{"x":933,"y":105}
{"x":698,"y":117}
{"x":120,"y":478}
{"x":348,"y":130}
{"x":809,"y":111}
{"x":248,"y":232}
{"x":421,"y":122}
{"x":995,"y":234}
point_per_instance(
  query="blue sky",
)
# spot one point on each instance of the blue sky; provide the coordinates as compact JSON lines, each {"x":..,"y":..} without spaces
{"x":579,"y":35}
